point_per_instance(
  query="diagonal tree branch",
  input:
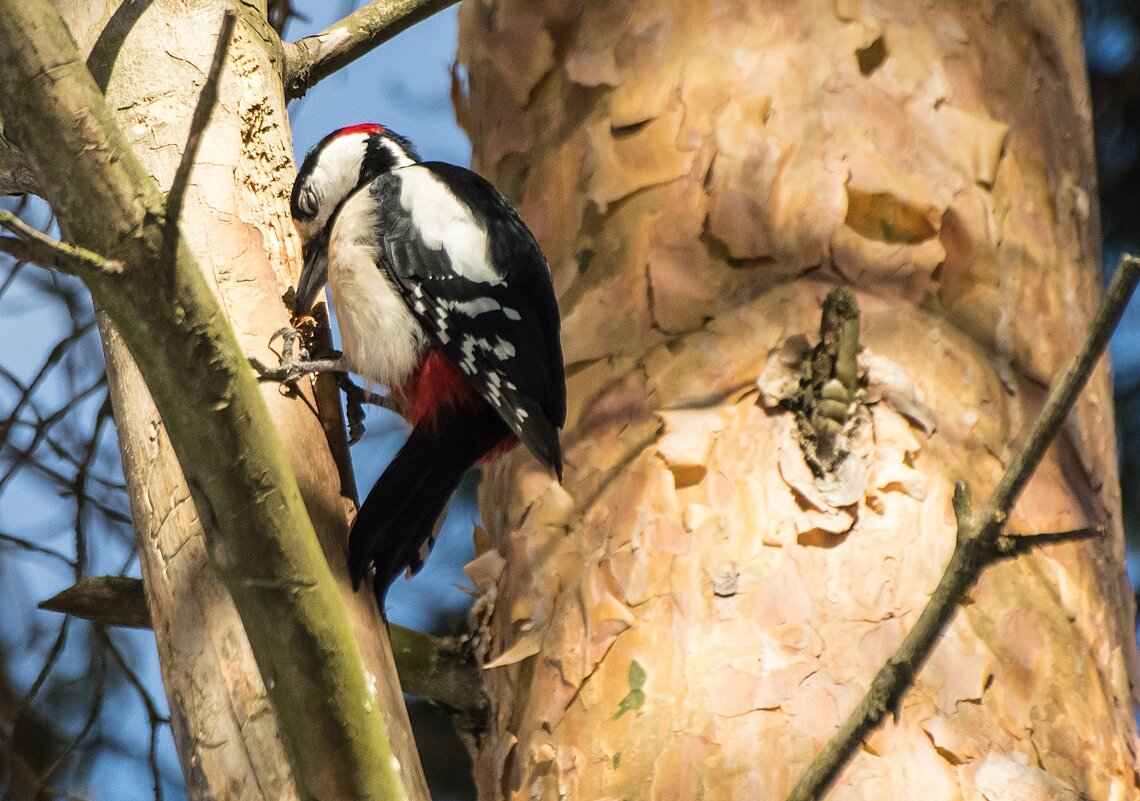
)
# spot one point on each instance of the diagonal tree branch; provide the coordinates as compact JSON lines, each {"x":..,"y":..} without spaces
{"x":313,"y":58}
{"x":981,"y":542}
{"x":257,"y":529}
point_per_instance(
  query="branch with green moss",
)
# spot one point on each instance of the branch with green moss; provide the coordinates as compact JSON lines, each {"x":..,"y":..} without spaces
{"x":981,"y":542}
{"x":257,"y":530}
{"x":313,"y":58}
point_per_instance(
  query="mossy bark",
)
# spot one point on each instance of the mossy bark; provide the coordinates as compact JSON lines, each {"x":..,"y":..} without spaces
{"x":101,"y":167}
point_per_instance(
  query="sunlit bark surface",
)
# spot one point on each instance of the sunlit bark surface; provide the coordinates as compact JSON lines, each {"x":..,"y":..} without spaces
{"x":694,"y":612}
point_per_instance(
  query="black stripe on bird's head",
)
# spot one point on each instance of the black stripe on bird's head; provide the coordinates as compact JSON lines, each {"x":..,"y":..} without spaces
{"x":341,"y":163}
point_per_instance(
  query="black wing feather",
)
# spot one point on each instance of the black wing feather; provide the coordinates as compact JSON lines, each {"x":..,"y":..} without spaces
{"x":511,"y":351}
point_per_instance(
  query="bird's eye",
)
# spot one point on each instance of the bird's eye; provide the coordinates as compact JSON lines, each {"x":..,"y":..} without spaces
{"x":307,"y":202}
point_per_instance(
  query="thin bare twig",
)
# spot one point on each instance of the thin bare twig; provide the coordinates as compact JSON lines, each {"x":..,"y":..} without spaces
{"x":157,"y":719}
{"x":313,"y":58}
{"x":60,"y":451}
{"x":31,"y":547}
{"x":1012,"y":545}
{"x":52,"y":659}
{"x":41,"y":426}
{"x":32,"y":245}
{"x":207,"y":99}
{"x":88,"y":724}
{"x":18,"y":266}
{"x":981,"y":542}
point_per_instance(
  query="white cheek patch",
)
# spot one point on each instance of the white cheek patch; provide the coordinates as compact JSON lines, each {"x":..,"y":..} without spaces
{"x":335,"y":174}
{"x":444,"y":223}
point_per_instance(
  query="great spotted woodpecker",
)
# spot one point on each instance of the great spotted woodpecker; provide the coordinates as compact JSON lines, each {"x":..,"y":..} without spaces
{"x":444,"y":298}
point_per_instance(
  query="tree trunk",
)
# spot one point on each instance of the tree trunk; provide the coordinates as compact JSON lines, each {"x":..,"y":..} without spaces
{"x":698,"y":607}
{"x":236,"y":218}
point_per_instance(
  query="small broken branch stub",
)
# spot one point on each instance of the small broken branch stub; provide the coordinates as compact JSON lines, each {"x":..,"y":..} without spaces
{"x":438,"y":670}
{"x":827,"y":403}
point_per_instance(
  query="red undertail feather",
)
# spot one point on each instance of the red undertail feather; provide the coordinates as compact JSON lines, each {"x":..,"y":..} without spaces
{"x":453,"y":428}
{"x":436,"y":384}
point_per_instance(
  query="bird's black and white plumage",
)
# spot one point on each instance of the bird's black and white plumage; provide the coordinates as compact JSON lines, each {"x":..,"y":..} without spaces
{"x":444,"y":297}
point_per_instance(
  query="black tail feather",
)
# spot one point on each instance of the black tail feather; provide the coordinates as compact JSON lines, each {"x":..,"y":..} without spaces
{"x":399,"y":515}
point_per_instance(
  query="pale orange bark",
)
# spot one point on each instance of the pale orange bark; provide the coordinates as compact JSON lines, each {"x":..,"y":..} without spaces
{"x":693,"y":613}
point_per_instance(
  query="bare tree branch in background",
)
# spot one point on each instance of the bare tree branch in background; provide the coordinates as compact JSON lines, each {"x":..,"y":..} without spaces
{"x":313,"y":58}
{"x":55,"y":447}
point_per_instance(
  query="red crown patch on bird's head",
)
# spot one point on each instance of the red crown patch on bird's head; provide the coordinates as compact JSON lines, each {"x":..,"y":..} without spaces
{"x":360,"y":127}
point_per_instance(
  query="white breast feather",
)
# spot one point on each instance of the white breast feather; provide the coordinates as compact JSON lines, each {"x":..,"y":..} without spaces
{"x":443,"y":222}
{"x":380,"y":337}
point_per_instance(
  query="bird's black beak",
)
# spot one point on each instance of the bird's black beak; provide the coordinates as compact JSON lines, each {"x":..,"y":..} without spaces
{"x":313,"y":275}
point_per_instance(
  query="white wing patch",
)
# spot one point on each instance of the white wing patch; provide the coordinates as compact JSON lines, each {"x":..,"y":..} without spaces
{"x":481,"y":305}
{"x":467,"y":363}
{"x":503,"y":350}
{"x":444,"y":223}
{"x":473,"y":308}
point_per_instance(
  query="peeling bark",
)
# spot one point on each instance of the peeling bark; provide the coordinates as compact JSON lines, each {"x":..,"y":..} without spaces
{"x":691,"y":614}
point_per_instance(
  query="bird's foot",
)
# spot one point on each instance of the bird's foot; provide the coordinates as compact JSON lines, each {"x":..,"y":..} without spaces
{"x":355,"y":397}
{"x":291,"y":368}
{"x":354,"y":400}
